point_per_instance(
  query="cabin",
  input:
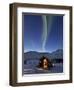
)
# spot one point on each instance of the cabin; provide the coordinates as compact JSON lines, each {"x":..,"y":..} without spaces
{"x":45,"y":63}
{"x":42,"y":62}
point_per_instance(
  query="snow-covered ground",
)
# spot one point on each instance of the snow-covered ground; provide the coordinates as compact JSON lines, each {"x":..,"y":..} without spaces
{"x":57,"y":68}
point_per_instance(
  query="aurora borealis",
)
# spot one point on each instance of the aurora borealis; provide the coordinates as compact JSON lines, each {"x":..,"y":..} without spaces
{"x":43,"y":33}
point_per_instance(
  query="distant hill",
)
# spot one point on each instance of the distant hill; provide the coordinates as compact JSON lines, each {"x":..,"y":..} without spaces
{"x":58,"y":54}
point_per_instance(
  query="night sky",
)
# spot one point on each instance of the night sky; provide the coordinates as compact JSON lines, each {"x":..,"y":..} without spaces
{"x":35,"y":35}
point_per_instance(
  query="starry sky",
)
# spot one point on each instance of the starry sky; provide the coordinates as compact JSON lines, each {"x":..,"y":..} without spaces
{"x":42,"y":33}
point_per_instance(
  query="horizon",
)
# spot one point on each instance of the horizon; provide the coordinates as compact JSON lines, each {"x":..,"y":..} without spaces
{"x":43,"y":51}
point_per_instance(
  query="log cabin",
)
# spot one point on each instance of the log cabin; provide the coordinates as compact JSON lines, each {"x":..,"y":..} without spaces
{"x":45,"y":63}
